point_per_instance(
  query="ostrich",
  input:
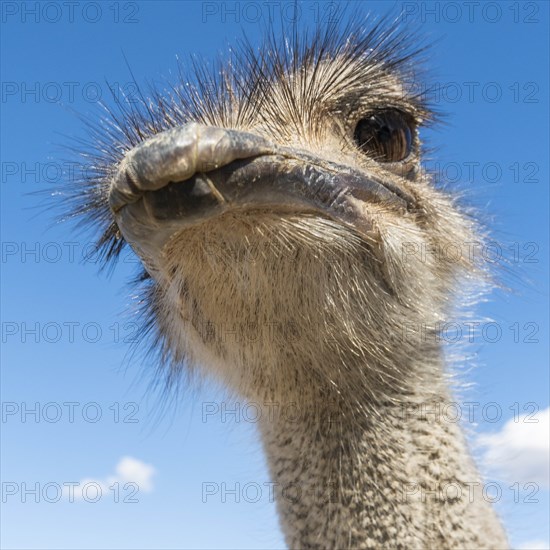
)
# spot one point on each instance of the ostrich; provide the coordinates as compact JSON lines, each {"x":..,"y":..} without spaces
{"x":278,"y":208}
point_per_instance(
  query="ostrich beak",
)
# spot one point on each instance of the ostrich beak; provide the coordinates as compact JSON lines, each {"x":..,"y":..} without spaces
{"x":188,"y":174}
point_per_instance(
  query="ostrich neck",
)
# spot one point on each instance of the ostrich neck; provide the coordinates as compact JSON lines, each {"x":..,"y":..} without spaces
{"x":390,"y":476}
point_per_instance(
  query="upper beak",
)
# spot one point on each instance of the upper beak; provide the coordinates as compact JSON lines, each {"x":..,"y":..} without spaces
{"x":187,"y":174}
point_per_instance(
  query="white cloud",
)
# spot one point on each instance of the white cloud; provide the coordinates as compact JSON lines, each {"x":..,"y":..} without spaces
{"x":128,"y":470}
{"x":534,"y":545}
{"x":132,"y":470}
{"x":520,"y":451}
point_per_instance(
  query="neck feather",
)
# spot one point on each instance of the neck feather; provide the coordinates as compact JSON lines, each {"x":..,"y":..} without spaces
{"x":385,"y":474}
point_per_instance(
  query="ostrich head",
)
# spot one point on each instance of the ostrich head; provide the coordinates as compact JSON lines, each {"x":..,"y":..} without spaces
{"x":279,"y":209}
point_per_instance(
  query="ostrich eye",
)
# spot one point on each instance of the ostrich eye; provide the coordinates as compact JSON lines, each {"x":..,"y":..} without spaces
{"x":386,"y":136}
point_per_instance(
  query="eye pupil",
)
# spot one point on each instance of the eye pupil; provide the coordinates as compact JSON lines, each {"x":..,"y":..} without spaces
{"x":385,"y":136}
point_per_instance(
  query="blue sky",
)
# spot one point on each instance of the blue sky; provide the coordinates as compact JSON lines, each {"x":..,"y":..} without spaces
{"x":494,"y":64}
